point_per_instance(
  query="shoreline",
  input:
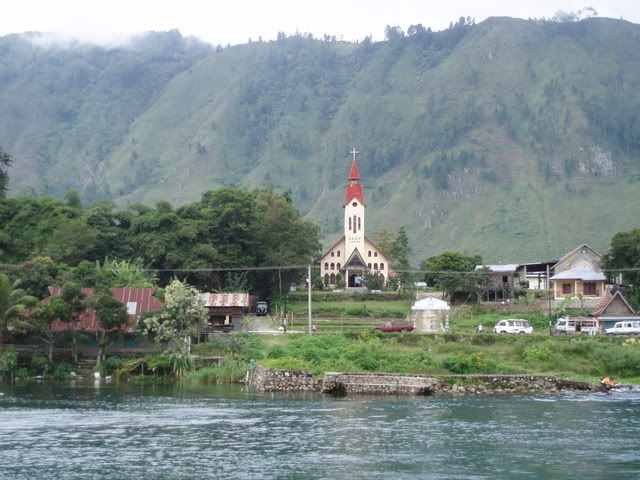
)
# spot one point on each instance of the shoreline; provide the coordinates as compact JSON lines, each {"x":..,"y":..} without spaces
{"x":344,"y":383}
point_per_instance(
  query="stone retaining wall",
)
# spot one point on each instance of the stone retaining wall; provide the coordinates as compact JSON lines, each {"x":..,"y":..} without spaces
{"x":268,"y":380}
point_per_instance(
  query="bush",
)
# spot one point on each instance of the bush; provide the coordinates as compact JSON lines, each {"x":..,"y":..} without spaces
{"x":62,"y":370}
{"x":541,"y":353}
{"x":471,"y":363}
{"x":110,"y":365}
{"x":229,"y":371}
{"x":288,"y":363}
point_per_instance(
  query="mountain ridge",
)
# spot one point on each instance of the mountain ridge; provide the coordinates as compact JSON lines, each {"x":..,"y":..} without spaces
{"x":514,"y":139}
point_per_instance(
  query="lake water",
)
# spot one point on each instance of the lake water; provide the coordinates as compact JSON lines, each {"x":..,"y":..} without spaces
{"x":87,"y":431}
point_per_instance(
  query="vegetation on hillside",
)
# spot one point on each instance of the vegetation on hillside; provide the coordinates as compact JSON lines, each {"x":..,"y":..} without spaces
{"x":480,"y":137}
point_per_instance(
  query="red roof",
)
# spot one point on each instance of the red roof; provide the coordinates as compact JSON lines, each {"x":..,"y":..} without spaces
{"x":136,"y":300}
{"x":226,"y":300}
{"x":354,"y":174}
{"x":354,"y":190}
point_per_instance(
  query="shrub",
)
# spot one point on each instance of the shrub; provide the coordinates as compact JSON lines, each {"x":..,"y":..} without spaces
{"x":229,"y":371}
{"x":471,"y":363}
{"x":540,"y":353}
{"x":62,"y":370}
{"x":110,"y":365}
{"x":288,"y":363}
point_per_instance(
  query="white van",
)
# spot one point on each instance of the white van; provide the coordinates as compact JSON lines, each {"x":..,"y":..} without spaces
{"x":513,"y":325}
{"x":624,"y":328}
{"x":571,"y":325}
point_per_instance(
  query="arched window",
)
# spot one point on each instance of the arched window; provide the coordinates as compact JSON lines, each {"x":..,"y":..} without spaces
{"x":326,"y":265}
{"x":333,"y":266}
{"x":358,"y":223}
{"x":332,"y":254}
{"x":338,"y":253}
{"x":332,"y":279}
{"x":369,"y":266}
{"x":326,"y":279}
{"x":375,"y":266}
{"x":338,"y":266}
{"x":375,"y":254}
{"x":382,"y":278}
{"x":369,"y":252}
{"x":382,"y":266}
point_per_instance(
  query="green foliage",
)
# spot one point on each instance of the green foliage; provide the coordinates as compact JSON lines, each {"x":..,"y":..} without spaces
{"x":463,"y":277}
{"x":229,"y":371}
{"x":624,"y":253}
{"x":476,"y":362}
{"x":8,"y":363}
{"x":62,"y":370}
{"x":178,"y":321}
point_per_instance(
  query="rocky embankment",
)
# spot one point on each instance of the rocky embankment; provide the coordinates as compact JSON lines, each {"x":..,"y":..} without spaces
{"x":268,"y":380}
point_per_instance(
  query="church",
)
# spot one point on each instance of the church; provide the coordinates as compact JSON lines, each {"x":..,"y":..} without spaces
{"x":353,"y":255}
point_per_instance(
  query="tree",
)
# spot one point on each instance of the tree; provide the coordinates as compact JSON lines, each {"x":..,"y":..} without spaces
{"x":69,"y":307}
{"x":623,"y":255}
{"x":5,"y":163}
{"x":112,"y":315}
{"x":452,"y":272}
{"x":173,"y":327}
{"x":38,"y":323}
{"x":13,"y":303}
{"x":400,"y":253}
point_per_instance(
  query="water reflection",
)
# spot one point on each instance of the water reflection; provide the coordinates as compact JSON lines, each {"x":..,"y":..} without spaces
{"x":151,"y":432}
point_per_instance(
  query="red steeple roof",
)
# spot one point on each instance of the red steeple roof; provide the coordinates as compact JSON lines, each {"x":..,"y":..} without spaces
{"x":354,"y":188}
{"x":354,"y":174}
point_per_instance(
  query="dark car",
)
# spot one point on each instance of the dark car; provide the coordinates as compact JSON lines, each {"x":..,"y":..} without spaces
{"x":395,"y":328}
{"x":261,"y":309}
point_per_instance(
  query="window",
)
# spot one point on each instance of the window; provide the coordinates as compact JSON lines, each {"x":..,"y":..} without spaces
{"x":375,"y":254}
{"x":375,"y":266}
{"x":349,"y":223}
{"x":332,"y":254}
{"x":354,"y":224}
{"x":326,"y":265}
{"x":326,"y":279}
{"x":338,"y":266}
{"x":589,"y":288}
{"x":358,"y":223}
{"x":382,"y":266}
{"x":505,"y":279}
{"x":338,"y":254}
{"x":369,"y":266}
{"x":131,"y":307}
{"x":369,"y":252}
{"x":332,"y":279}
{"x":333,"y":266}
{"x":566,"y":288}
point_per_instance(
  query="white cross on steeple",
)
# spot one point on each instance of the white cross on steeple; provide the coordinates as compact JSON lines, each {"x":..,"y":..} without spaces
{"x":354,"y":152}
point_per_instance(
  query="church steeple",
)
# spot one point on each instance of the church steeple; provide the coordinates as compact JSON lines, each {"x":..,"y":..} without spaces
{"x":354,"y":188}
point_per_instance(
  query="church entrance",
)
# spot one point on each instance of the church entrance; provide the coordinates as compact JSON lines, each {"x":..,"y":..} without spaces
{"x":356,"y":280}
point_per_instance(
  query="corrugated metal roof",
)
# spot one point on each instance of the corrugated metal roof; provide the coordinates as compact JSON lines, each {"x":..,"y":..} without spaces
{"x":579,"y":274}
{"x":508,"y":267}
{"x":226,"y":299}
{"x":136,"y":300}
{"x":430,"y":303}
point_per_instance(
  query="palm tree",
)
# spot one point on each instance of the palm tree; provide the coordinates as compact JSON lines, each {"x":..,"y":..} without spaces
{"x":13,"y":302}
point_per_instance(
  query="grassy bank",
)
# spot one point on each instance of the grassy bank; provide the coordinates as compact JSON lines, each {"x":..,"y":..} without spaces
{"x":581,"y":358}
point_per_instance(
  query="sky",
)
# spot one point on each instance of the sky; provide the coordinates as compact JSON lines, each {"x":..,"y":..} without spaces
{"x":235,"y":21}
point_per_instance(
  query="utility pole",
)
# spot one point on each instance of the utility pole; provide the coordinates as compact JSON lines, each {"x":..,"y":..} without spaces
{"x":309,"y":296}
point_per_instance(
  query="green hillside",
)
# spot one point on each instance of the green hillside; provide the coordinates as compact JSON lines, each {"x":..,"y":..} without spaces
{"x":513,"y":139}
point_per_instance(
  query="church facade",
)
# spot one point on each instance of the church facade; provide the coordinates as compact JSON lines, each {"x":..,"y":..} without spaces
{"x":353,"y":255}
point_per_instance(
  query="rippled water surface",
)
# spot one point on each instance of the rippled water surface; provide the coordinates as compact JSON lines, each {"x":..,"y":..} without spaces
{"x":88,"y":431}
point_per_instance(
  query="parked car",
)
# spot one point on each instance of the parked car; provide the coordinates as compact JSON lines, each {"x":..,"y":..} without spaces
{"x":571,"y":325}
{"x":261,"y":309}
{"x":624,"y":328}
{"x":395,"y":328}
{"x":513,"y":325}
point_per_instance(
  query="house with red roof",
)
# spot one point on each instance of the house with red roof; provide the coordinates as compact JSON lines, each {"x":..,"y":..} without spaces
{"x":137,"y":301}
{"x":226,"y":312}
{"x":353,"y":254}
{"x":614,"y":308}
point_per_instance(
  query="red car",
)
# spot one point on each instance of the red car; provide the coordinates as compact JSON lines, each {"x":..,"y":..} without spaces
{"x":395,"y":328}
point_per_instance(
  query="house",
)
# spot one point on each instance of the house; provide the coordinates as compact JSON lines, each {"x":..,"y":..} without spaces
{"x":353,"y":255}
{"x":430,"y":314}
{"x":578,"y":275}
{"x":504,"y":279}
{"x":226,"y":312}
{"x":534,"y":275}
{"x":138,"y":301}
{"x":613,"y":308}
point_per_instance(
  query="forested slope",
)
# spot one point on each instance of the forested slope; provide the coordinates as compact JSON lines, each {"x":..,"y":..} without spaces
{"x":513,"y":139}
